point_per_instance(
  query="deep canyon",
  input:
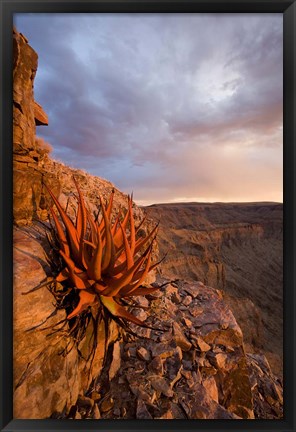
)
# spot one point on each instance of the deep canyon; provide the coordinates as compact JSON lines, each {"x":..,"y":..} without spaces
{"x":235,"y":247}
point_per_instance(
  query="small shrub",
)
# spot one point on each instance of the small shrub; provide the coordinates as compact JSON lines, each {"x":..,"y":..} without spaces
{"x":42,"y":146}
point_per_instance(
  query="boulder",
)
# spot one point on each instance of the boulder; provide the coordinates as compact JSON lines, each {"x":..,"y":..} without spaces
{"x":46,"y":380}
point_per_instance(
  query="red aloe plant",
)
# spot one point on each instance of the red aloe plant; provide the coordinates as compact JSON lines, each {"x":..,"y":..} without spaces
{"x":104,"y":261}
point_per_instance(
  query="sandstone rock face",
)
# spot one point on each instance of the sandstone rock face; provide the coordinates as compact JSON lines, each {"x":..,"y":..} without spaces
{"x":40,"y":116}
{"x":45,"y":380}
{"x":24,"y":71}
{"x":27,"y":194}
{"x":237,"y":248}
{"x":28,"y":155}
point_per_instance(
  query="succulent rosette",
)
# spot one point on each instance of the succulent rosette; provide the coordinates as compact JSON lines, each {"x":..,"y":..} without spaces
{"x":104,"y":261}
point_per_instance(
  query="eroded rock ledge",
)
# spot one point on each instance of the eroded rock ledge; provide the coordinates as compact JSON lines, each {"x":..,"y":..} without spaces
{"x":195,"y":368}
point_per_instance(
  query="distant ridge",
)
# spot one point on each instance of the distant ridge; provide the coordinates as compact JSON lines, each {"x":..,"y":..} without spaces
{"x":234,"y":203}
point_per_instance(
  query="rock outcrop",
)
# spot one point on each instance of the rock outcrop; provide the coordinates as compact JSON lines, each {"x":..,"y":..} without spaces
{"x":196,"y":368}
{"x":46,"y":378}
{"x":28,"y":151}
{"x":25,"y":62}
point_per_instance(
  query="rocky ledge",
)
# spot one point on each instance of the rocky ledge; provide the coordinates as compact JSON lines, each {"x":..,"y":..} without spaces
{"x":191,"y":364}
{"x":196,"y":368}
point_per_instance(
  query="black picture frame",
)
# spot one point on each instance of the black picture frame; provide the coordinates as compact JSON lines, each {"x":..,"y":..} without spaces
{"x":7,"y":9}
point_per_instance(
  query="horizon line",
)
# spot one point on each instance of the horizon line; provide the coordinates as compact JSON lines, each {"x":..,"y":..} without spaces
{"x":206,"y":203}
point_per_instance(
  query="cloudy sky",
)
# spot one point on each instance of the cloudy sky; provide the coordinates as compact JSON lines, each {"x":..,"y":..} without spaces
{"x":174,"y":107}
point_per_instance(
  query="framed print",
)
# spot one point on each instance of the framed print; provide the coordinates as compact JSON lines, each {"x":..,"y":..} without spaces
{"x":147,"y":215}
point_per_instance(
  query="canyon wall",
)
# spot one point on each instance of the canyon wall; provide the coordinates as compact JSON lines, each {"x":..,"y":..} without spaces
{"x":237,"y":248}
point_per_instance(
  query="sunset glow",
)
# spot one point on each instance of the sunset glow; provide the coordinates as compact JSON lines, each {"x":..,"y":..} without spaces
{"x":172,"y":107}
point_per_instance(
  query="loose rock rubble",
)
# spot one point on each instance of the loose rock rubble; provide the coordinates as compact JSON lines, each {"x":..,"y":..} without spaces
{"x":267,"y":389}
{"x":195,"y":368}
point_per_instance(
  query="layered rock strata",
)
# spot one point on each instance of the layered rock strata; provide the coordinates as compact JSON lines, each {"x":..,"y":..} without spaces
{"x":237,"y":248}
{"x":29,"y":152}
